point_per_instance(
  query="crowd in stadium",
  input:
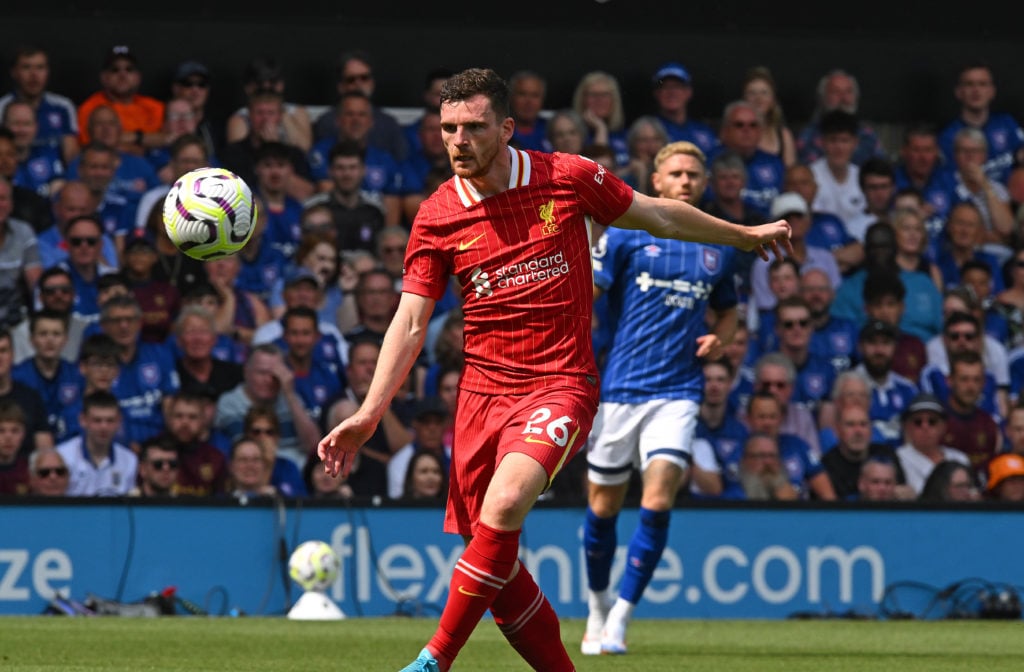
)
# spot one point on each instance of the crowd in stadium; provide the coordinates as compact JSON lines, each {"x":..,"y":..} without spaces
{"x":880,"y":361}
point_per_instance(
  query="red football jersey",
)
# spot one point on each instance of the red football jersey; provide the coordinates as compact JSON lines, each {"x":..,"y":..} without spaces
{"x":522,"y":259}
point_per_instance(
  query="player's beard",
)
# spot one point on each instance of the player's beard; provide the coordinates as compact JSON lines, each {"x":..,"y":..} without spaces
{"x":483,"y":161}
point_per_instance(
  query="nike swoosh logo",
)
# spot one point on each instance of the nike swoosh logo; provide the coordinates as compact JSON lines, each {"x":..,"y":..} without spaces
{"x":468,"y":593}
{"x":466,"y":244}
{"x":530,"y":439}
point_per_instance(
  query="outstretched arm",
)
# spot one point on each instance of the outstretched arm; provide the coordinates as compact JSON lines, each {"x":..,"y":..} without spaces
{"x":402,"y":344}
{"x":669,"y":218}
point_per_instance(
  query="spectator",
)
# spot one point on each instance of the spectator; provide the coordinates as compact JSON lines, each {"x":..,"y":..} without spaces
{"x":194,"y":339}
{"x":429,"y":423}
{"x":391,"y":245}
{"x":759,"y":89}
{"x":266,"y":380}
{"x":837,"y":90}
{"x":261,"y":424}
{"x":890,"y":392}
{"x":358,"y":216}
{"x":741,"y":131}
{"x":950,"y":481}
{"x":1006,"y":479}
{"x":924,"y":426}
{"x":146,"y":378}
{"x":968,"y":427}
{"x":877,"y":481}
{"x":27,"y":204}
{"x":761,"y":472}
{"x":376,"y":301}
{"x":115,"y":210}
{"x":203,"y":470}
{"x":644,"y":138}
{"x":975,"y":90}
{"x":40,"y":167}
{"x":250,"y":469}
{"x":20,"y":266}
{"x":598,"y":101}
{"x":266,"y":112}
{"x":431,"y":98}
{"x":567,"y":132}
{"x":265,"y":74}
{"x":527,"y":91}
{"x":355,"y":74}
{"x":382,"y":178}
{"x":58,"y":381}
{"x":317,"y":381}
{"x":426,"y":480}
{"x":877,"y":181}
{"x":913,"y":247}
{"x":836,"y":173}
{"x":815,"y":374}
{"x":672,"y":88}
{"x":141,"y":116}
{"x":14,"y":467}
{"x":784,"y":283}
{"x":159,"y":467}
{"x":429,"y":156}
{"x":48,"y":474}
{"x":834,"y":338}
{"x":192,"y":81}
{"x":284,"y":212}
{"x":920,"y":168}
{"x":1010,"y":302}
{"x":98,"y":464}
{"x":240,"y":310}
{"x":39,"y":434}
{"x":843,"y":463}
{"x":55,"y":113}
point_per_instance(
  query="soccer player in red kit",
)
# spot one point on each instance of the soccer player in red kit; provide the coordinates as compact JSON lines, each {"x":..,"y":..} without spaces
{"x":513,"y":227}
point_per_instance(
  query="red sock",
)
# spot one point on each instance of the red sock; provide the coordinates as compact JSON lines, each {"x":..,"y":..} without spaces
{"x":479,"y":576}
{"x":530,"y":625}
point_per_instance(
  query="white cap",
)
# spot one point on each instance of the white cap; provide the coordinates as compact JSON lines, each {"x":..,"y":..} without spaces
{"x":788,"y":203}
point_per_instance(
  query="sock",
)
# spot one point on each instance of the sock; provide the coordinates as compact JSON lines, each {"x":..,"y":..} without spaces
{"x":599,"y":542}
{"x":479,"y":576}
{"x":645,"y":549}
{"x":525,"y":617}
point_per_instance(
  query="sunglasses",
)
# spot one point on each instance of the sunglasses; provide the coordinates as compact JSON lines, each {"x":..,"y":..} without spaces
{"x":392,"y":250}
{"x":921,"y":422}
{"x":261,"y":431}
{"x":46,"y":472}
{"x":745,"y":124}
{"x":789,"y":324}
{"x":352,"y":79}
{"x":163,"y":464}
{"x":769,"y":384}
{"x":194,"y":84}
{"x":57,"y":289}
{"x":78,"y":241}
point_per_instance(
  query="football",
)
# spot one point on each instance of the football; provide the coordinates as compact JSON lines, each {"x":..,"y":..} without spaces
{"x":209,"y":213}
{"x":313,"y":565}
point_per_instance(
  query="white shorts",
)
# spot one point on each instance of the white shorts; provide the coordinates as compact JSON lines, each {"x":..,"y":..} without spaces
{"x":628,"y":436}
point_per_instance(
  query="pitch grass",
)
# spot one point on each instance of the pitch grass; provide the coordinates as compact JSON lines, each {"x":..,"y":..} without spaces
{"x":192,"y":644}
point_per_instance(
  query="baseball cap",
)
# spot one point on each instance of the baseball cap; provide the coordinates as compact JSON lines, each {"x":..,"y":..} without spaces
{"x":119,"y":51}
{"x":671,"y":69}
{"x":877,"y":328}
{"x":191,"y":69}
{"x":788,"y":203}
{"x":924,"y":402}
{"x":1003,"y":467}
{"x":300,"y":274}
{"x":136,"y":242}
{"x":430,"y":406}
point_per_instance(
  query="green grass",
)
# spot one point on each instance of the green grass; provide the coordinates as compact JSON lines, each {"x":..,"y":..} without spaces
{"x":191,"y":644}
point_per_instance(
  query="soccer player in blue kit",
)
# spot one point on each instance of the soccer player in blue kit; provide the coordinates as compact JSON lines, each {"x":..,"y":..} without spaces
{"x":660,"y":291}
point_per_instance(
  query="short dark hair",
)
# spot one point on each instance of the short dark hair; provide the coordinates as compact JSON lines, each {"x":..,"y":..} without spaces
{"x":346,"y":148}
{"x":960,"y":317}
{"x":838,"y":121}
{"x":478,"y":81}
{"x":51,"y":272}
{"x":881,"y":283}
{"x":273,"y":151}
{"x":879,"y":167}
{"x":300,"y":312}
{"x":975,"y":265}
{"x":187,"y":140}
{"x":47,"y":314}
{"x":99,"y":346}
{"x":99,"y":399}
